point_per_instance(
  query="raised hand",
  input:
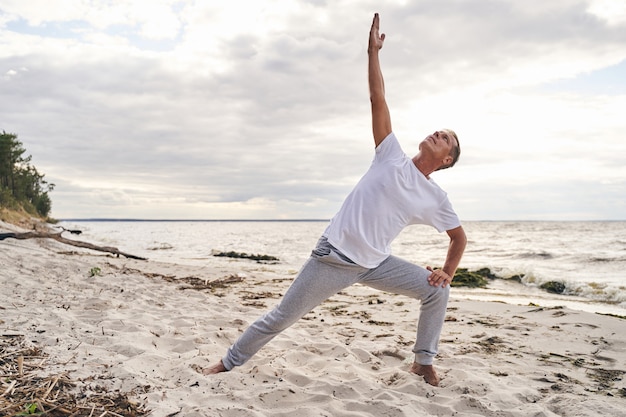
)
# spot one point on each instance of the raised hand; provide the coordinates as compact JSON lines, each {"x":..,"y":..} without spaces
{"x":376,"y":39}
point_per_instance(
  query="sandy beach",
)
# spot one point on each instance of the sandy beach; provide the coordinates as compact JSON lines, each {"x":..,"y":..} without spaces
{"x":142,"y":328}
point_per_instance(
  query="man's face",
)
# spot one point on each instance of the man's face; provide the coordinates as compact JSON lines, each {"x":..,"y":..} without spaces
{"x":439,"y":145}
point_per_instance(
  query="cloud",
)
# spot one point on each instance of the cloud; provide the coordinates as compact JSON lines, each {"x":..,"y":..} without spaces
{"x":613,"y":12}
{"x":210,"y":110}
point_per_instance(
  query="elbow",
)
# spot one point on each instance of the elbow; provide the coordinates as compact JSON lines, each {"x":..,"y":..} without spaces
{"x":458,"y":238}
{"x":462,"y":240}
{"x":377,"y":97}
{"x":462,"y":244}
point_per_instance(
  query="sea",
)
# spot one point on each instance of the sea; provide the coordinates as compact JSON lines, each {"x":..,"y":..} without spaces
{"x":589,"y":257}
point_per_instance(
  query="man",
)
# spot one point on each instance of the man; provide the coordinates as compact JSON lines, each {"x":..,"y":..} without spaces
{"x":355,"y":248}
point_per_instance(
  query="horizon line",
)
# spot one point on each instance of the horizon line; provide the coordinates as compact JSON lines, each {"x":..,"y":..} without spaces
{"x":114,"y":219}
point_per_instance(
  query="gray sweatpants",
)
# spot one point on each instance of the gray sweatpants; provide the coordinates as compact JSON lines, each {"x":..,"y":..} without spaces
{"x":326,"y":273}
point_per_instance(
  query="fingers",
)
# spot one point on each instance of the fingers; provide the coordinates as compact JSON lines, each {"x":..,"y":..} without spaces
{"x":438,"y":278}
{"x":376,"y":40}
{"x":375,"y":24}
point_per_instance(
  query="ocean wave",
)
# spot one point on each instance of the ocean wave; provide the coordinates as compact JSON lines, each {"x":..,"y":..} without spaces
{"x":602,"y":259}
{"x":535,"y":255}
{"x":576,"y":252}
{"x":160,"y":246}
{"x":611,"y":294}
{"x":595,"y":291}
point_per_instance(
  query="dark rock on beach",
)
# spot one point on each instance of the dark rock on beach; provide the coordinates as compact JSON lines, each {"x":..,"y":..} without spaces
{"x":555,"y":287}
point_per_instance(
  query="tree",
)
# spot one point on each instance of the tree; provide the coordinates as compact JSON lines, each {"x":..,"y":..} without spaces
{"x":21,"y":185}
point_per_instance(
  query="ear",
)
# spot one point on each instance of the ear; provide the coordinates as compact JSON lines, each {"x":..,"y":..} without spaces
{"x":447,"y":161}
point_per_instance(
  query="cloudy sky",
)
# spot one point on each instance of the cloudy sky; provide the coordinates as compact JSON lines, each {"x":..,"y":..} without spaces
{"x":187,"y":109}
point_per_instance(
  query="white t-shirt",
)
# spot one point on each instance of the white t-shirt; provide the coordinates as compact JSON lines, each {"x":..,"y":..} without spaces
{"x":392,"y":194}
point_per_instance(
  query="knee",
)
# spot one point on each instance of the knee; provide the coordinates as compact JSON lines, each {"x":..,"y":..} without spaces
{"x":438,"y":295}
{"x":444,"y":293}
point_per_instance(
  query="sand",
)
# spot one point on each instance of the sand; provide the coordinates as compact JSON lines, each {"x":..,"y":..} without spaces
{"x":141,"y":328}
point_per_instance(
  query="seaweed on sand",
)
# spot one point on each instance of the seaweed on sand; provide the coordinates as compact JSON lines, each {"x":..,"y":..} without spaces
{"x":243,"y":255}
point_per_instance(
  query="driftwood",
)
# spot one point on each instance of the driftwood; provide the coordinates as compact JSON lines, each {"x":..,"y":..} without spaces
{"x":35,"y":234}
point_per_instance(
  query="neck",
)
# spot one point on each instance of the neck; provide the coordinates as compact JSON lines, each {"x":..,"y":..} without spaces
{"x":423,"y":165}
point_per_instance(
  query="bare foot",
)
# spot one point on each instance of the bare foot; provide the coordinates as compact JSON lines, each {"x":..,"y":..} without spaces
{"x":214,"y":369}
{"x":427,"y":371}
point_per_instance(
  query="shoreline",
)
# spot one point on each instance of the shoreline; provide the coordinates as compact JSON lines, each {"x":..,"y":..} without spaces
{"x":140,"y":326}
{"x":549,"y":264}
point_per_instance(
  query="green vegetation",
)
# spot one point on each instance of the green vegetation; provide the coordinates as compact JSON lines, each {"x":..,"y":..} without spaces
{"x":473,"y":279}
{"x":243,"y":255}
{"x":29,"y":410}
{"x":95,"y":271}
{"x":478,"y":278}
{"x":22,"y":187}
{"x":481,"y":277}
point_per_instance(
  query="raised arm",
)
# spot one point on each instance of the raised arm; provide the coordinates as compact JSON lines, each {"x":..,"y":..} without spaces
{"x":381,"y":120}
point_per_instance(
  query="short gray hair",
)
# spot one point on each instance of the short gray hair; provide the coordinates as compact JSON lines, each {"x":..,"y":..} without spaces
{"x":455,"y":152}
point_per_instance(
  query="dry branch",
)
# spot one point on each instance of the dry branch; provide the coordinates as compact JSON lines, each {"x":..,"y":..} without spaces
{"x":43,"y":393}
{"x":35,"y":234}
